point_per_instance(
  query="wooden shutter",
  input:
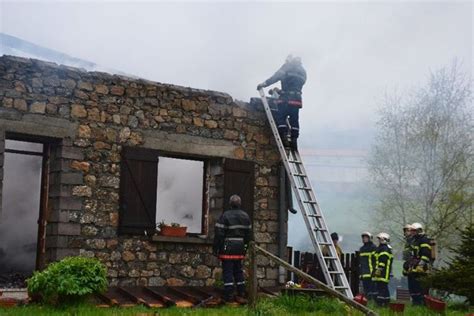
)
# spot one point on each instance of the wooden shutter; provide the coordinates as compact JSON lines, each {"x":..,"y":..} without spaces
{"x":239,"y":178}
{"x":138,"y":184}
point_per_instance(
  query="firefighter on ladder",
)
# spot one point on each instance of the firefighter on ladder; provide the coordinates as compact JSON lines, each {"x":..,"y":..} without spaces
{"x":292,"y":76}
{"x":367,"y":265}
{"x":420,"y":263}
{"x":383,"y":268}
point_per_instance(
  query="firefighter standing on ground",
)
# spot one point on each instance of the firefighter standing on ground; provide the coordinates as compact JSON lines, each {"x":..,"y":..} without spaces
{"x":367,"y":264}
{"x":292,"y":76}
{"x":407,"y":254}
{"x":383,"y":269}
{"x":420,"y":263}
{"x":231,"y":238}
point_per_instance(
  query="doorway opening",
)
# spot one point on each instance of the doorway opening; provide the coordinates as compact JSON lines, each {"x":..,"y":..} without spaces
{"x":24,"y":205}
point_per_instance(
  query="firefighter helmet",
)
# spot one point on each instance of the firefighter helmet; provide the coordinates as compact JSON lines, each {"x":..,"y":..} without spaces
{"x":418,"y":227}
{"x":383,"y":237}
{"x":407,"y":227}
{"x":368,"y":234}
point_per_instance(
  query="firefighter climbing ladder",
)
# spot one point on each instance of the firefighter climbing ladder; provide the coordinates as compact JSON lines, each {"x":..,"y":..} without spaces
{"x":312,"y":215}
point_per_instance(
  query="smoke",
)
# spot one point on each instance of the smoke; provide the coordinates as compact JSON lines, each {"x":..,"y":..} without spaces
{"x":20,"y":212}
{"x":180,"y":192}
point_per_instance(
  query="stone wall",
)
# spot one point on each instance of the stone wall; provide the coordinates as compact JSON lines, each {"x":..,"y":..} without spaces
{"x":93,"y":115}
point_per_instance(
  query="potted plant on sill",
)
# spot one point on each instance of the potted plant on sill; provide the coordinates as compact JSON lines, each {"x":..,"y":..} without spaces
{"x":172,"y":230}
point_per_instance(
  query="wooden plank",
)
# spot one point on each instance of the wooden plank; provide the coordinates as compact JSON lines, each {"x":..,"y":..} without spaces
{"x":166,"y":299}
{"x":181,"y":292}
{"x":132,"y":297}
{"x":175,"y":298}
{"x":253,"y":282}
{"x":107,"y":299}
{"x":290,"y":261}
{"x":122,"y":300}
{"x":313,"y":280}
{"x":297,"y":261}
{"x":141,"y":296}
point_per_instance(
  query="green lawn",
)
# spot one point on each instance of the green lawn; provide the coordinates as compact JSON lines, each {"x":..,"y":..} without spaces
{"x":284,"y":305}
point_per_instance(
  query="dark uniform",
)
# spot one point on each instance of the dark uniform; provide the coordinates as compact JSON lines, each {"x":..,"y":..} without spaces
{"x":366,"y":268}
{"x":407,"y":254}
{"x":419,"y":266}
{"x":292,"y":76}
{"x":231,"y":238}
{"x":381,"y":277}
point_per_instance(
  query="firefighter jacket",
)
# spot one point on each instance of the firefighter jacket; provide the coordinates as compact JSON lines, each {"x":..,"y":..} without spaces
{"x":421,"y":246}
{"x":407,"y":254}
{"x":292,"y":76}
{"x":367,"y":260}
{"x":232,"y":234}
{"x":383,"y":263}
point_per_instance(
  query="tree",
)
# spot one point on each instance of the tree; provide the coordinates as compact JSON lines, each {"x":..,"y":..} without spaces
{"x":422,"y":161}
{"x":458,"y":276}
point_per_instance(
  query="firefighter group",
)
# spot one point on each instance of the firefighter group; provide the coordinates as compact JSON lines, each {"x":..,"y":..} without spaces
{"x":376,"y":264}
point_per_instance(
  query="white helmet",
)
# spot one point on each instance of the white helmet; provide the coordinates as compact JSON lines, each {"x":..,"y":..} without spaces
{"x":418,"y":227}
{"x":383,"y":237}
{"x":407,"y":227}
{"x":368,"y":234}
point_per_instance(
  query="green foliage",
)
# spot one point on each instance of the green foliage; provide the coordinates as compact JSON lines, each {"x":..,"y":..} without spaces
{"x":458,"y":276}
{"x":69,"y":280}
{"x":302,"y":305}
{"x":278,"y":306}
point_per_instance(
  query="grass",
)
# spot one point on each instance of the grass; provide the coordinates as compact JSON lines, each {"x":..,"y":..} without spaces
{"x":284,"y":305}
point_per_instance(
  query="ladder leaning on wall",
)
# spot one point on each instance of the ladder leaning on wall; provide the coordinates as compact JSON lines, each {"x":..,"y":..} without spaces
{"x":312,"y":214}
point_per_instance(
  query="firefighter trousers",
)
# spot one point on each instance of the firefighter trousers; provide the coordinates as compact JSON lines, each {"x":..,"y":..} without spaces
{"x":383,"y":293}
{"x":416,"y":290}
{"x":232,"y":272}
{"x":292,"y":113}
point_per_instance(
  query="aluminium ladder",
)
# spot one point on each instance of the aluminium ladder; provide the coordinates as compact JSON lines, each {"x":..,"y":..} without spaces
{"x":312,"y":215}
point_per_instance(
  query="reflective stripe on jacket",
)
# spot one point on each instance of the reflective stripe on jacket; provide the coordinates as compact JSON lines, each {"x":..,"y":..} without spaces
{"x":367,"y":260}
{"x":383,"y":262}
{"x":232,"y":225}
{"x":422,"y":248}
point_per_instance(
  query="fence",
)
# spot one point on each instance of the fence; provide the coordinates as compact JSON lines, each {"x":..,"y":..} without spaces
{"x":308,"y":263}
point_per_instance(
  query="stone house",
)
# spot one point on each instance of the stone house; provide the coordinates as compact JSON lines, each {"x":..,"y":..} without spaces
{"x":118,"y":155}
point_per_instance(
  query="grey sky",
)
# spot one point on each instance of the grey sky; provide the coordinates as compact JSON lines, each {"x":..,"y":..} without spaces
{"x":353,"y":51}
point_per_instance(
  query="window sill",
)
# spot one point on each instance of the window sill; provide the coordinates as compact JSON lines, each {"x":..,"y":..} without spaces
{"x":183,"y":240}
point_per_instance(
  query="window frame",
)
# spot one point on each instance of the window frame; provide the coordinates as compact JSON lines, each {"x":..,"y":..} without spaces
{"x":205,"y":187}
{"x":205,"y":184}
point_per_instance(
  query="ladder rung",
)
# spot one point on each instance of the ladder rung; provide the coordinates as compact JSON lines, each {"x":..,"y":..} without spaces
{"x":335,"y":272}
{"x":325,"y":243}
{"x":304,"y":188}
{"x":319,"y":230}
{"x":299,"y":175}
{"x":295,"y":161}
{"x":341,"y":287}
{"x":314,"y":215}
{"x":330,"y":258}
{"x":310,"y":202}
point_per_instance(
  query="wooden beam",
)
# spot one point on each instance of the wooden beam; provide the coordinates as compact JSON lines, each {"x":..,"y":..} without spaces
{"x":308,"y":278}
{"x":253,"y":285}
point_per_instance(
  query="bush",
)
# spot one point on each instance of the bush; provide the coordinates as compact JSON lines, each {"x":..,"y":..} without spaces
{"x":458,"y":277}
{"x":70,"y":280}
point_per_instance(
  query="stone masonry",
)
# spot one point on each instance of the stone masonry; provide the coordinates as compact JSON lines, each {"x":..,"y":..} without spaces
{"x":92,"y":116}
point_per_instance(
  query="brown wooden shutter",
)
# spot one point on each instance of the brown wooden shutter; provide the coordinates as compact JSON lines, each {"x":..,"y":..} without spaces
{"x":239,"y":178}
{"x":138,"y":184}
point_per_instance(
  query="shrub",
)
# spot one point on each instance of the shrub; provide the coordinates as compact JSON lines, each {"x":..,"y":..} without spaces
{"x":70,"y":280}
{"x":458,"y":277}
